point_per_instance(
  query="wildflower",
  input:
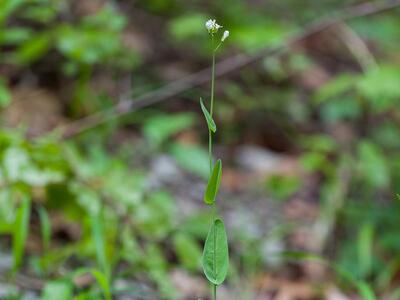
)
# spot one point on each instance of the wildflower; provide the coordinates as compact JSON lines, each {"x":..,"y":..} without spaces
{"x":212,"y":26}
{"x":225,"y":35}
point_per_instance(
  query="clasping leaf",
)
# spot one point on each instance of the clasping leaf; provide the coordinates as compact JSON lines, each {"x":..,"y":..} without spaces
{"x":215,"y":258}
{"x":213,"y":183}
{"x":209,"y":119}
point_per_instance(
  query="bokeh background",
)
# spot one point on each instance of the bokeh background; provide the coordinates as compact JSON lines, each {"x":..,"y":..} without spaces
{"x":103,"y":155}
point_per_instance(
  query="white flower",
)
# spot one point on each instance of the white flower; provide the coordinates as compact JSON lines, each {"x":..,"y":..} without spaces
{"x":212,"y":26}
{"x":225,"y":35}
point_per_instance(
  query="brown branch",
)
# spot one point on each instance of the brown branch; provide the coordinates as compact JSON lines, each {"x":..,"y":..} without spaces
{"x":223,"y":68}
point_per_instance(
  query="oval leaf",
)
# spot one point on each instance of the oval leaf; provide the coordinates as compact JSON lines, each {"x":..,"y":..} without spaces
{"x":213,"y":183}
{"x":209,"y":119}
{"x":215,"y":258}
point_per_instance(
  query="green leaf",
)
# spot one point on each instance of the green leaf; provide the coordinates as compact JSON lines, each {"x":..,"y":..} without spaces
{"x":373,"y":166}
{"x":216,"y":255}
{"x":365,"y":248}
{"x":45,"y":227}
{"x":192,"y":158}
{"x":161,"y":127}
{"x":34,"y":48}
{"x":187,"y":26}
{"x":99,"y":242}
{"x":61,"y":290}
{"x":102,"y":280}
{"x":21,"y":228}
{"x":187,"y":250}
{"x":213,"y":183}
{"x":366,"y":291}
{"x":209,"y":119}
{"x":5,"y":96}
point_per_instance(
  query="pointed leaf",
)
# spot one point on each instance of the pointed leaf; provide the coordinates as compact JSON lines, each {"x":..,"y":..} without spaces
{"x":213,"y":183}
{"x":215,"y":258}
{"x":209,"y":119}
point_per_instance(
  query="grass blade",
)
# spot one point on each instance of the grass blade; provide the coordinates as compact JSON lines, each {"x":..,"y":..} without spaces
{"x":45,"y":227}
{"x":99,"y":242}
{"x":20,"y":234}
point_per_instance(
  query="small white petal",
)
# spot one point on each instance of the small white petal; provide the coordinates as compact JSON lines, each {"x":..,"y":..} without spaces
{"x":225,"y":35}
{"x":212,"y":26}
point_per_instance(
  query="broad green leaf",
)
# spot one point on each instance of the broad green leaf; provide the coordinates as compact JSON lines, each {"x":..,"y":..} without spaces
{"x":61,"y":290}
{"x":213,"y":183}
{"x":209,"y":119}
{"x":21,"y":228}
{"x":187,"y":26}
{"x":372,"y":164}
{"x":161,"y":127}
{"x":34,"y":48}
{"x":215,"y":254}
{"x":192,"y":158}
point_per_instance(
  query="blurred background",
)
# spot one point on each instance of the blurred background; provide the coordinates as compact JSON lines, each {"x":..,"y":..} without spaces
{"x":103,"y":148}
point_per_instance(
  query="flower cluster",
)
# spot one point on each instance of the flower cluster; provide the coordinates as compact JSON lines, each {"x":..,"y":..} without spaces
{"x":213,"y":27}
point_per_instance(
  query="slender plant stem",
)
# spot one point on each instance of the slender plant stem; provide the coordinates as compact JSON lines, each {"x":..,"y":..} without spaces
{"x":212,"y":77}
{"x":214,"y":210}
{"x":212,"y":103}
{"x":214,"y":292}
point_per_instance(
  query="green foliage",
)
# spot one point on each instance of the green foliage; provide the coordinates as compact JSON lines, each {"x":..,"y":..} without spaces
{"x":156,"y":219}
{"x":159,"y":128}
{"x":372,"y":165}
{"x":282,"y":187}
{"x":100,"y":195}
{"x":215,"y":254}
{"x":95,"y":40}
{"x":380,"y":87}
{"x":187,"y":27}
{"x":5,"y":96}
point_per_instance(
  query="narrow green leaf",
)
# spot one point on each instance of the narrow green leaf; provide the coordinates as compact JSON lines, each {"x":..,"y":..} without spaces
{"x":20,"y":234}
{"x":45,"y":227}
{"x":215,"y":258}
{"x":99,"y":243}
{"x":103,"y":282}
{"x":213,"y":183}
{"x":209,"y":119}
{"x":366,"y":291}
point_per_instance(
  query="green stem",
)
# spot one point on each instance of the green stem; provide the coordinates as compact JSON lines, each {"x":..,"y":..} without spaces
{"x":212,"y":78}
{"x":211,"y":104}
{"x":214,"y":292}
{"x":214,"y":208}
